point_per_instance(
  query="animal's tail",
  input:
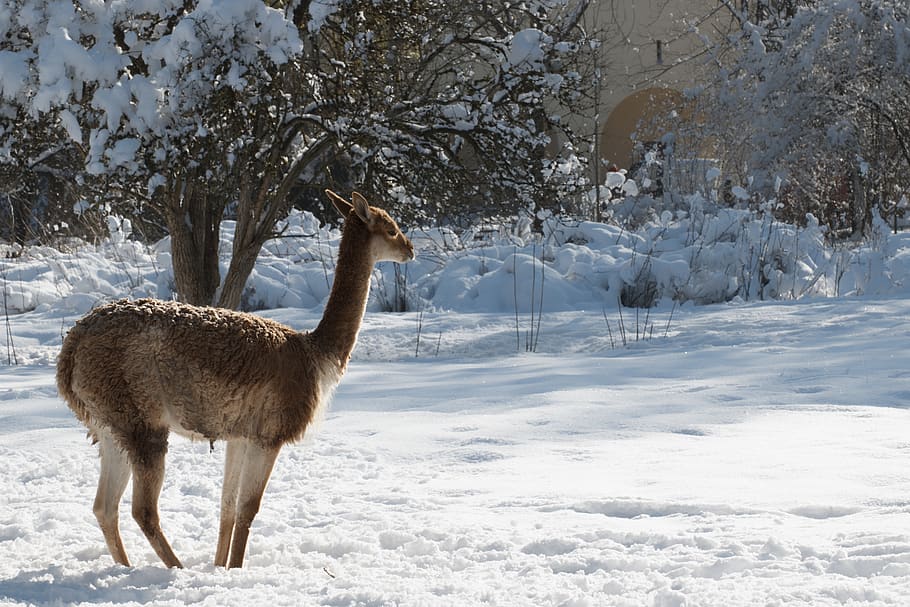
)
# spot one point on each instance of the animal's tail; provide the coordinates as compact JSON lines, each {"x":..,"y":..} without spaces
{"x":66,"y":361}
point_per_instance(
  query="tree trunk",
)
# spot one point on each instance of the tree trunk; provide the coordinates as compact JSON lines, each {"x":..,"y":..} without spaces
{"x":259,"y":207}
{"x":862,"y":215}
{"x":242,"y":263}
{"x":194,"y":222}
{"x":255,"y":221}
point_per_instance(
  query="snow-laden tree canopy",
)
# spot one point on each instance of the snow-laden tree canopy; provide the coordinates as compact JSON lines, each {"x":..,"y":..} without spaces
{"x":820,"y":102}
{"x":193,"y":107}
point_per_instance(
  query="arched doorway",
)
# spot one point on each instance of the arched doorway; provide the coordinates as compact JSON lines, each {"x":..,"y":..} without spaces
{"x":643,"y":117}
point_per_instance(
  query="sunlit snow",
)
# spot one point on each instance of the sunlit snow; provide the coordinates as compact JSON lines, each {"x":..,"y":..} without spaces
{"x":730,"y":454}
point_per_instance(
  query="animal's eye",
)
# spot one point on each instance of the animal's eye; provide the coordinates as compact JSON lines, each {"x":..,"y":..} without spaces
{"x":392,"y":233}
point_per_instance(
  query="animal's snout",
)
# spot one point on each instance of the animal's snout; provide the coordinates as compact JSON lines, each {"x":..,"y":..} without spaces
{"x":410,"y":252}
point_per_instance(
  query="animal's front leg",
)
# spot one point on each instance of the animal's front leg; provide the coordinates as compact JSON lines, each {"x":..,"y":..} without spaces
{"x":257,"y":467}
{"x":233,"y":466}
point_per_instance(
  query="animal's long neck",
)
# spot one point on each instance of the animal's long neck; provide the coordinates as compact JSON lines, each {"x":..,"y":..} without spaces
{"x":337,"y":331}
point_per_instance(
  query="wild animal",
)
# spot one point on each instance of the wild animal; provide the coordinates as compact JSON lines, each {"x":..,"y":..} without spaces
{"x":134,"y":371}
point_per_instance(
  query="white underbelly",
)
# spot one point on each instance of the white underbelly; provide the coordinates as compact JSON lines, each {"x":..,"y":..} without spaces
{"x":172,"y":419}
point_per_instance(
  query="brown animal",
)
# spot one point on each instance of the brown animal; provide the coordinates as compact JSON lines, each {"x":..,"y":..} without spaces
{"x":132,"y":371}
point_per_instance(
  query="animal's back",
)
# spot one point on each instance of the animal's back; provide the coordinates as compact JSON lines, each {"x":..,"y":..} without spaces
{"x":132,"y":366}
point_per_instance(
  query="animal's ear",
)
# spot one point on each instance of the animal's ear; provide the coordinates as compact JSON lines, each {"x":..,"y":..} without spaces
{"x":362,"y":208}
{"x":341,"y":205}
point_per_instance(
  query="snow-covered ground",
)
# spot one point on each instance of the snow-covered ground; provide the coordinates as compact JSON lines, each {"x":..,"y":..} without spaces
{"x":751,"y":454}
{"x":740,"y":453}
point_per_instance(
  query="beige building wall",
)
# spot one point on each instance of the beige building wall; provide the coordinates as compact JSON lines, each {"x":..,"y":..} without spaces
{"x":652,"y":52}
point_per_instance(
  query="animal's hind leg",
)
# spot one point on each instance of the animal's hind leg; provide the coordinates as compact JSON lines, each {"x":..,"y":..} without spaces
{"x":115,"y":473}
{"x":148,"y":476}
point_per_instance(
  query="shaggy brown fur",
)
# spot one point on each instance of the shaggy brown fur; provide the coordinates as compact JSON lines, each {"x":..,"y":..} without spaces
{"x":132,"y":371}
{"x":206,"y":365}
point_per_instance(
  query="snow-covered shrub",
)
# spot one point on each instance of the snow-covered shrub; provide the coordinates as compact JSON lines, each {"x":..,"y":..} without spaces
{"x":816,"y":100}
{"x":702,"y":256}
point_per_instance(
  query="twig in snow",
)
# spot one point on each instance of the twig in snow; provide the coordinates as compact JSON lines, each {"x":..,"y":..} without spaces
{"x":515,"y":296}
{"x":670,"y":318}
{"x":543,"y":269}
{"x":419,"y":331}
{"x":11,"y":357}
{"x":609,"y":330}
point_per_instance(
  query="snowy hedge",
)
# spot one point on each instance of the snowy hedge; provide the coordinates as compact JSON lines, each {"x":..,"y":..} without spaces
{"x":690,"y":256}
